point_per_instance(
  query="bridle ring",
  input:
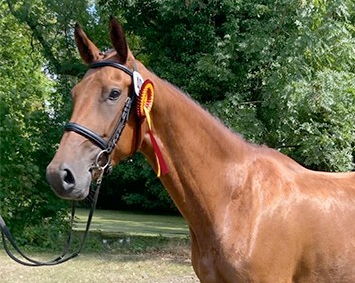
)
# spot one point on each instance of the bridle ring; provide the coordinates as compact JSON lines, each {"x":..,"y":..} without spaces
{"x":98,"y":159}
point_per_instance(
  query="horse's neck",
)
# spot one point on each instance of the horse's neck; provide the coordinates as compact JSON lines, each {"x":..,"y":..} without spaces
{"x":201,"y":154}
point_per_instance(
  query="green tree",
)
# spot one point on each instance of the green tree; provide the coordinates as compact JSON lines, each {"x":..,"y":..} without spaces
{"x":280,"y":73}
{"x":25,"y":107}
{"x":308,"y":85}
{"x":267,"y":68}
{"x":49,"y":25}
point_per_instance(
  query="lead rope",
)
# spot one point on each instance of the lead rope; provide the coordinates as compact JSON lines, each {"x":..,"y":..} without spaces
{"x":7,"y":236}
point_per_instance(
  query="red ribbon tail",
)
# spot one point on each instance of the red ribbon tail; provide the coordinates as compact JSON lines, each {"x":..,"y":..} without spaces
{"x":158,"y":154}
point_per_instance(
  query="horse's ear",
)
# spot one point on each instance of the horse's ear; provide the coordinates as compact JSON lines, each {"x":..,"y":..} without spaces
{"x":87,"y":49}
{"x":118,"y":40}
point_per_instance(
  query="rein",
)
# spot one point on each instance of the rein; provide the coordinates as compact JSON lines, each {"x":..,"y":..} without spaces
{"x":65,"y":256}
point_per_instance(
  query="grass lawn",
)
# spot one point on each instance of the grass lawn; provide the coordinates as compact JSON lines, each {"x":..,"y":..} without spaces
{"x":108,"y":221}
{"x":101,"y":268}
{"x":123,"y":248}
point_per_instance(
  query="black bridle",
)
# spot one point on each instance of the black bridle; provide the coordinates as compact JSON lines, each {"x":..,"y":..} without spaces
{"x":108,"y":146}
{"x":106,"y":149}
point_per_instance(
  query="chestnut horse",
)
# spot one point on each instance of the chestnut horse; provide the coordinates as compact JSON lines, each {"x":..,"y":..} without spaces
{"x":254,"y":214}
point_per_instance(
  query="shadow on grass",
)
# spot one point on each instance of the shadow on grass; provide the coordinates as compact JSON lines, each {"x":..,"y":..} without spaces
{"x":114,"y":222}
{"x":122,"y":247}
{"x":134,"y":237}
{"x":133,"y":247}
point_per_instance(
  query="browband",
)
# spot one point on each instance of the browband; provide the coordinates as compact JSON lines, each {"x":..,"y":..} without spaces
{"x":111,"y":64}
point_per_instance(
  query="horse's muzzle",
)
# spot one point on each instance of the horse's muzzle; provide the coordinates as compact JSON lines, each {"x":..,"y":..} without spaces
{"x":65,"y":182}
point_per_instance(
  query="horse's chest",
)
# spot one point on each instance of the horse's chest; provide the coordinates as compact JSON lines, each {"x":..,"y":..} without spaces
{"x":210,"y":268}
{"x":214,"y":265}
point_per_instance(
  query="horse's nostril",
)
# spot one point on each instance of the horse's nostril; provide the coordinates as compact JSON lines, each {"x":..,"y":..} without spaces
{"x":68,"y":177}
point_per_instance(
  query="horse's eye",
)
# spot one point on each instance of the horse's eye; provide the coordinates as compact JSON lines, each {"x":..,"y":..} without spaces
{"x":114,"y":94}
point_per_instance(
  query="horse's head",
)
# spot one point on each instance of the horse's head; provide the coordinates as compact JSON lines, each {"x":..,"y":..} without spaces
{"x":100,"y":100}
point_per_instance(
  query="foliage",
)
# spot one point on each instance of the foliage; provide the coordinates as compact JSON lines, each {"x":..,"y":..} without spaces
{"x":133,"y":186}
{"x":280,"y":73}
{"x":258,"y":66}
{"x":25,"y":91}
{"x":308,"y":95}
